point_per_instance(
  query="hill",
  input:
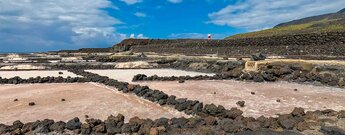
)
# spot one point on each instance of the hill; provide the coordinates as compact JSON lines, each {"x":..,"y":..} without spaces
{"x":332,"y":22}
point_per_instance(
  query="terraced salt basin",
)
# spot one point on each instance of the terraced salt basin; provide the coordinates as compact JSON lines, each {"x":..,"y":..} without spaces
{"x":126,"y":75}
{"x":94,"y":100}
{"x":264,"y":102}
{"x":42,"y":73}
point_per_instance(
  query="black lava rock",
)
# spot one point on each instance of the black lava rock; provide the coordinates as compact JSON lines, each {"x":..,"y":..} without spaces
{"x":73,"y":124}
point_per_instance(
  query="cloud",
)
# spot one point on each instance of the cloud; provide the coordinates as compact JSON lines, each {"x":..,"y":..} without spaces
{"x":175,"y":1}
{"x":259,"y":14}
{"x":139,"y":36}
{"x":188,"y":35}
{"x":131,"y":2}
{"x":140,"y":14}
{"x":36,"y":25}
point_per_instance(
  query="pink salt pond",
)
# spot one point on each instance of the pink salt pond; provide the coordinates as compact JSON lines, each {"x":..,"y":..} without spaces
{"x":263,"y":102}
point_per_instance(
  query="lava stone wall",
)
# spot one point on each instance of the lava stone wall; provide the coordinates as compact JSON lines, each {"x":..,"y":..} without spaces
{"x":332,"y":44}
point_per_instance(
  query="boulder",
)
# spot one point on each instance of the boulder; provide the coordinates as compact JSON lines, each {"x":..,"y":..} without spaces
{"x":17,"y":124}
{"x":331,"y":130}
{"x":341,"y":114}
{"x":257,"y":57}
{"x":258,"y":78}
{"x":253,"y":126}
{"x":230,"y":126}
{"x":30,"y":126}
{"x":241,"y":103}
{"x":232,"y":113}
{"x":139,"y":77}
{"x":287,"y":122}
{"x":93,"y":122}
{"x":209,"y":120}
{"x":44,"y":126}
{"x":85,"y":129}
{"x":99,"y":128}
{"x":114,"y":124}
{"x":162,"y":122}
{"x":145,"y":127}
{"x":178,"y":122}
{"x":58,"y":126}
{"x":73,"y":124}
{"x":298,"y":112}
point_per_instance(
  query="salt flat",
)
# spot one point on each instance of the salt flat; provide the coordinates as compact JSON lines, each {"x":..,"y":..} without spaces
{"x":264,"y":102}
{"x":42,"y":73}
{"x":94,"y":100}
{"x":127,"y":75}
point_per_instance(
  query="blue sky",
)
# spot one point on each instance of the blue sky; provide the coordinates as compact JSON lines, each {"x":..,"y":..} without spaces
{"x":43,"y":25}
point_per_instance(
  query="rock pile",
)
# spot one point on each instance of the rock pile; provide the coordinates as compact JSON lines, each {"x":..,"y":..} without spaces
{"x":18,"y":80}
{"x":293,"y":123}
{"x":269,"y":74}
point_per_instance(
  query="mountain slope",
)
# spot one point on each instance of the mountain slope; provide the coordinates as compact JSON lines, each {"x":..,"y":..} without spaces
{"x":322,"y":23}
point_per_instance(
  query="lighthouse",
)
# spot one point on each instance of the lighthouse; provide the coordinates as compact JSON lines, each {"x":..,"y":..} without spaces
{"x":209,"y":36}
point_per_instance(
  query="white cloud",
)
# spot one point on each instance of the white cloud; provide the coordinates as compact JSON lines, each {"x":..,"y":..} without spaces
{"x":131,"y":2}
{"x":259,"y":14}
{"x":139,"y":36}
{"x":132,"y":36}
{"x":140,"y":14}
{"x":188,"y":35}
{"x":175,"y":1}
{"x":56,"y":24}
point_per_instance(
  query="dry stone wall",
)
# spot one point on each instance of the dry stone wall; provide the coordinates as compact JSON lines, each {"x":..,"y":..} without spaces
{"x":331,"y":44}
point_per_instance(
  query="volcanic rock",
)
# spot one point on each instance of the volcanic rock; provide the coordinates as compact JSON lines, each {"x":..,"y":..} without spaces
{"x":341,"y":114}
{"x":139,"y":77}
{"x":258,"y":78}
{"x":58,"y":126}
{"x":230,"y":126}
{"x":85,"y":129}
{"x":73,"y":124}
{"x":329,"y":130}
{"x":241,"y":103}
{"x":287,"y":122}
{"x":44,"y":126}
{"x":258,"y":57}
{"x":232,"y":113}
{"x":253,"y":126}
{"x":99,"y":128}
{"x":114,"y":124}
{"x":32,"y":104}
{"x":298,"y":112}
{"x":210,"y":120}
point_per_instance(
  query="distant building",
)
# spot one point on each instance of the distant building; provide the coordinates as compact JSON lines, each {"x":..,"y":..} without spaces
{"x":209,"y":36}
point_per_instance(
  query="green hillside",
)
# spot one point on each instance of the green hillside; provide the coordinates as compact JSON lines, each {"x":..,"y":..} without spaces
{"x":323,"y":23}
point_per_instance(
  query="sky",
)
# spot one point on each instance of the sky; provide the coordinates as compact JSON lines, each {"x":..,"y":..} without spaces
{"x":47,"y":25}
